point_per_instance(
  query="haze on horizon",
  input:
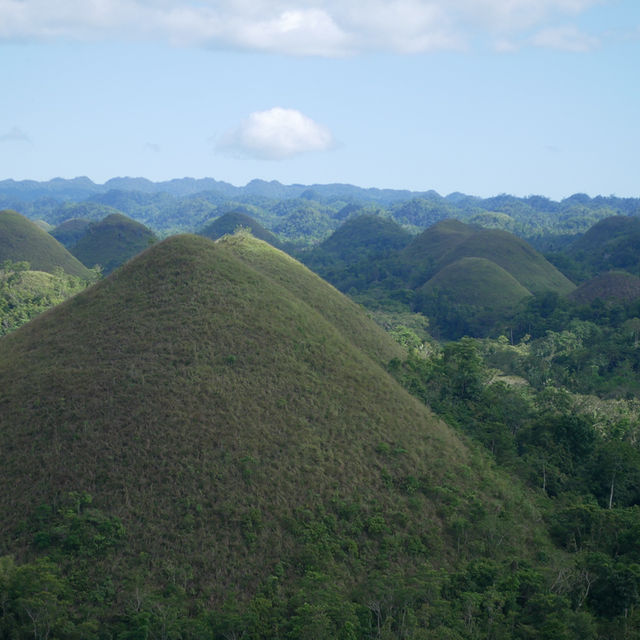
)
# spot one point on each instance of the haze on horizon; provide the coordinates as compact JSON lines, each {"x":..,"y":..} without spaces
{"x":478,"y":96}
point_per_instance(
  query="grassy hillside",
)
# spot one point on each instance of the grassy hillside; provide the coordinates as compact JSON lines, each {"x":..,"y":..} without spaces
{"x":240,"y":437}
{"x":614,"y":286}
{"x":70,"y":231}
{"x":112,"y":241}
{"x":515,"y":256}
{"x":230,"y":222}
{"x":434,"y":243}
{"x":23,"y":240}
{"x":468,"y":297}
{"x":366,"y":234}
{"x":451,"y":240}
{"x":339,"y":310}
{"x":479,"y":282}
{"x":612,"y":243}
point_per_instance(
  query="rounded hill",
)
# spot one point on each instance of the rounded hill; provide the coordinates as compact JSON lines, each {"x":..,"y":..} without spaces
{"x":234,"y":220}
{"x":112,"y":241}
{"x":451,"y":240}
{"x":70,"y":231}
{"x":364,"y":235}
{"x":23,"y":240}
{"x":237,"y":432}
{"x":477,"y":282}
{"x":610,"y":244}
{"x":614,"y":286}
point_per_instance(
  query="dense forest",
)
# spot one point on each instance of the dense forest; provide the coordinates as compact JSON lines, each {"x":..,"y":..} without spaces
{"x":212,"y":442}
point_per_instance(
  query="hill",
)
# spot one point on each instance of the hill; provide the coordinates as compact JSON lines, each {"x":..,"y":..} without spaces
{"x":613,"y":286}
{"x":70,"y":231}
{"x":469,"y":296}
{"x":230,"y":222}
{"x":112,"y":241}
{"x":23,"y":240}
{"x":610,"y":244}
{"x":477,"y":282}
{"x":365,"y":235}
{"x":450,"y":241}
{"x":191,"y":432}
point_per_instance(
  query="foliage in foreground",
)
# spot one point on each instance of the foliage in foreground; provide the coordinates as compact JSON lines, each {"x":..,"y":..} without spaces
{"x":24,"y":294}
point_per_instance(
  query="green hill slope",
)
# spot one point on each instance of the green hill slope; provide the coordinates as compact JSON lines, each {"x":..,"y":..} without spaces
{"x":451,"y":240}
{"x":515,"y":256}
{"x":615,"y":286}
{"x":230,"y":222}
{"x":242,"y":439}
{"x":478,"y":282}
{"x":434,"y":243}
{"x":612,"y":243}
{"x":70,"y":231}
{"x":364,"y":235}
{"x":468,"y":296}
{"x":339,"y":310}
{"x":23,"y":240}
{"x":112,"y":241}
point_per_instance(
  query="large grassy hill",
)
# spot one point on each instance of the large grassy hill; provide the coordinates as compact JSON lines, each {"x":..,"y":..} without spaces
{"x":22,"y":240}
{"x":112,"y":241}
{"x":240,"y":435}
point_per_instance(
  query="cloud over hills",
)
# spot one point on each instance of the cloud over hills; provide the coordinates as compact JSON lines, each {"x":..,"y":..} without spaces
{"x":276,"y":134}
{"x":294,"y":27}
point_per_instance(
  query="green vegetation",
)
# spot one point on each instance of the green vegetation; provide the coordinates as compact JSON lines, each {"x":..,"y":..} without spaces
{"x":465,"y":279}
{"x":193,"y":444}
{"x":209,"y":443}
{"x":24,"y":294}
{"x":580,"y":457}
{"x":112,"y":241}
{"x":22,"y":240}
{"x":230,"y":222}
{"x":70,"y":231}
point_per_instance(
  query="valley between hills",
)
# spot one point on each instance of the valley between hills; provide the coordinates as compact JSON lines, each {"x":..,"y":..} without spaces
{"x":289,"y":411}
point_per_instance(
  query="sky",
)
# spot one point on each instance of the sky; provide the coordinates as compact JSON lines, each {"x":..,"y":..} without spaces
{"x":478,"y":96}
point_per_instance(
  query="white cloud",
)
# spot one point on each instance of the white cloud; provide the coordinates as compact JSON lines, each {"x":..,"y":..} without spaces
{"x":565,"y":39}
{"x":276,"y":134}
{"x":15,"y":134}
{"x":292,"y":27}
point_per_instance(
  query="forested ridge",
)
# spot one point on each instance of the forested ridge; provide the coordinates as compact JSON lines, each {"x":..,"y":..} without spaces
{"x":511,"y":511}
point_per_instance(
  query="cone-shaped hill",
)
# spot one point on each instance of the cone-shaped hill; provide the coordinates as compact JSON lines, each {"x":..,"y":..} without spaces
{"x":112,"y":241}
{"x":365,"y":234}
{"x":70,"y":231}
{"x":612,"y":243}
{"x":450,"y":240}
{"x":23,"y":240}
{"x":478,"y":281}
{"x":232,"y":221}
{"x":202,"y":396}
{"x":615,"y":286}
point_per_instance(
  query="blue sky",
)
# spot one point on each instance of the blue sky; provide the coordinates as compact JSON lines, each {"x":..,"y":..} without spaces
{"x":479,"y":96}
